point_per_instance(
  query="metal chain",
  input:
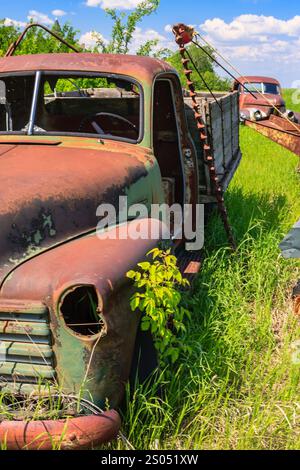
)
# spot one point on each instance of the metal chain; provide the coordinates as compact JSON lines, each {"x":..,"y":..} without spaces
{"x":209,"y":158}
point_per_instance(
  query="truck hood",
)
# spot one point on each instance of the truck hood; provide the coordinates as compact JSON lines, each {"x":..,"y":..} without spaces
{"x":249,"y":101}
{"x":51,"y":194}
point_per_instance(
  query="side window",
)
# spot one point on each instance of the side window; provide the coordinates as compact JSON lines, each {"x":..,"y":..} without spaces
{"x":164,"y":112}
{"x":16,"y":94}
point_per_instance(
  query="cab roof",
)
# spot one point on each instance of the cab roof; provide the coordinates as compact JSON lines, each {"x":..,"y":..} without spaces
{"x":258,"y":79}
{"x":138,"y":67}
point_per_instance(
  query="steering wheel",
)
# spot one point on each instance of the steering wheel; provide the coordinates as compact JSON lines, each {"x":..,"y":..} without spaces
{"x":92,"y":121}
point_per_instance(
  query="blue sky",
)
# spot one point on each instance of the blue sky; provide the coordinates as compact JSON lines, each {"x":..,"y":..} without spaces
{"x":258,"y":36}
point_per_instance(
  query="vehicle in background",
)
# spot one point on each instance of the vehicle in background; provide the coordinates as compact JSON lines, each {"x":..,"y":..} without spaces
{"x":263,"y":108}
{"x":260,"y":97}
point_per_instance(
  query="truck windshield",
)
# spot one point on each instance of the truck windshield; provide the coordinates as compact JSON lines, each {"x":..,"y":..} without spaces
{"x":271,"y":88}
{"x":265,"y":88}
{"x":71,"y":103}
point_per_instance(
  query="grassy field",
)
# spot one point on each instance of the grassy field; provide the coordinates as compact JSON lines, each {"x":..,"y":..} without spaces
{"x":239,"y":388}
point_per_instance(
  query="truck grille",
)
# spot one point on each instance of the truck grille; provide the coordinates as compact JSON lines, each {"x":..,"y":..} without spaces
{"x":26,"y":356}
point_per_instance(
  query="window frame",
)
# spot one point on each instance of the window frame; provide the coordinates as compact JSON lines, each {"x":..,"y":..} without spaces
{"x":170,"y":78}
{"x":40,"y":73}
{"x":261,"y":88}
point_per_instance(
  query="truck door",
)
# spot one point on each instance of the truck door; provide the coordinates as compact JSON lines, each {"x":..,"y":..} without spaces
{"x":166,"y":142}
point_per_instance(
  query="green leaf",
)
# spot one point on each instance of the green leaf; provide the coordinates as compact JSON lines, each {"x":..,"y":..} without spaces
{"x":145,"y":325}
{"x":135,"y":302}
{"x":144,"y":266}
{"x":155,"y":253}
{"x":131,"y":274}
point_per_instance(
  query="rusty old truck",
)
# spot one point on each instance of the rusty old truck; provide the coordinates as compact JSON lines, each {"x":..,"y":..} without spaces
{"x":260,"y":97}
{"x":263,"y":108}
{"x":79,"y":130}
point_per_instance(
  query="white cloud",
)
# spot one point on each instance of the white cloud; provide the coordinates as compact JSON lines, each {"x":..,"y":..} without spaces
{"x":120,"y":4}
{"x":275,"y":51}
{"x":258,"y":44}
{"x":90,"y":39}
{"x":255,"y":37}
{"x":141,"y":36}
{"x":39,"y":17}
{"x":244,"y":27}
{"x":168,"y":28}
{"x":11,"y":22}
{"x":59,"y":12}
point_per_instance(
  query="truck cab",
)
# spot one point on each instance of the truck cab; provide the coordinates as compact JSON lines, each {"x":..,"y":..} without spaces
{"x":79,"y":131}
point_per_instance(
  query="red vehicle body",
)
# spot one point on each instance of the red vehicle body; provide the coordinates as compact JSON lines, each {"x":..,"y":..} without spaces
{"x":259,"y":96}
{"x":262,"y":107}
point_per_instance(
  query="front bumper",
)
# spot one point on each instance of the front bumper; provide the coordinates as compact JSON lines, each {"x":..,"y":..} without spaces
{"x":86,"y":432}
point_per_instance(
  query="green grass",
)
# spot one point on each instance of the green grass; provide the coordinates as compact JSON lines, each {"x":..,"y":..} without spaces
{"x":239,"y":388}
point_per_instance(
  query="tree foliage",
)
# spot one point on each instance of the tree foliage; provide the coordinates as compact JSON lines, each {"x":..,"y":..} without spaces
{"x":150,"y":48}
{"x":122,"y":34}
{"x":37,"y":41}
{"x":205,"y":65}
{"x":124,"y":26}
{"x":8,"y":34}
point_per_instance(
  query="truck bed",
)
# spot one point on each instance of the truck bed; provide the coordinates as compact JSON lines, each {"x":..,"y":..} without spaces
{"x":222,"y":119}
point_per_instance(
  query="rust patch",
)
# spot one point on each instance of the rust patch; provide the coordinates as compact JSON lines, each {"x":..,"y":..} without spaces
{"x":43,"y":212}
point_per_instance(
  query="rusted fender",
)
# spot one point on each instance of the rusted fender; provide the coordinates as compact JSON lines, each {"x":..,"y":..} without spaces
{"x":100,"y":263}
{"x":85,"y":432}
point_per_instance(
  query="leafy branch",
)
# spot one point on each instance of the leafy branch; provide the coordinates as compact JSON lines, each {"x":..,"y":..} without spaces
{"x":160,"y":294}
{"x":125,"y":25}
